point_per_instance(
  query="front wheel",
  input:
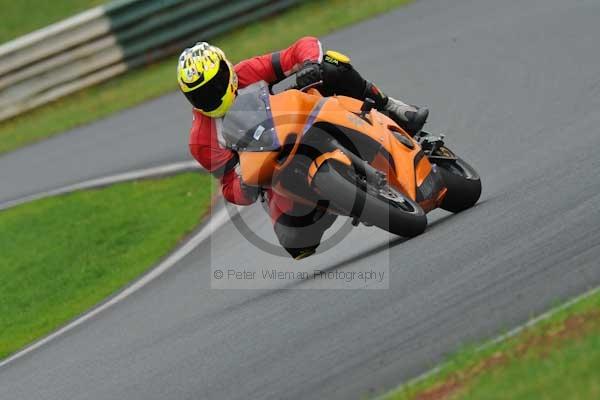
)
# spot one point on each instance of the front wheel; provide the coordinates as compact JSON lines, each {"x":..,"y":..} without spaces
{"x":384,"y":206}
{"x":463,"y":184}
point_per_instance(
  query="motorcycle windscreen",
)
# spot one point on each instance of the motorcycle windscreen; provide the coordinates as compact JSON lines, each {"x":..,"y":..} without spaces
{"x":249,"y":125}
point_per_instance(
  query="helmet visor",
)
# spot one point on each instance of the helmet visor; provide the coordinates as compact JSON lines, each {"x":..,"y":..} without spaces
{"x":209,"y":96}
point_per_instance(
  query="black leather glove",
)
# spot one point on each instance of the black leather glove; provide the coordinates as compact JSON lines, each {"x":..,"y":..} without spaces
{"x":309,"y":74}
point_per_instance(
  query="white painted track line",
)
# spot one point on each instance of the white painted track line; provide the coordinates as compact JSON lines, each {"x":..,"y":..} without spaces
{"x":214,"y":222}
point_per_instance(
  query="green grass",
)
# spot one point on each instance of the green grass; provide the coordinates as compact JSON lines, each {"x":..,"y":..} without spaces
{"x":310,"y":18}
{"x":60,"y":256}
{"x":23,"y":16}
{"x":556,"y":359}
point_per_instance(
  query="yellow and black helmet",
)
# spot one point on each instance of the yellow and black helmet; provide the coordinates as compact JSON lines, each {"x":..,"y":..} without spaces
{"x":207,"y":79}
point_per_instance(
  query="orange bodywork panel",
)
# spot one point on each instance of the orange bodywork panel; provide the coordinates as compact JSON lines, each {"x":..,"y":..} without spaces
{"x":376,"y":127}
{"x":290,"y":111}
{"x":293,"y":111}
{"x":256,"y":168}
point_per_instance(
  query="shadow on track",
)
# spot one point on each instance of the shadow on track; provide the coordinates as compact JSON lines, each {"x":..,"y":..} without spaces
{"x":397,"y":241}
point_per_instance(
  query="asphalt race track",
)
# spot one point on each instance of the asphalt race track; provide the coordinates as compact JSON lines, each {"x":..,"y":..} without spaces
{"x":515,"y":85}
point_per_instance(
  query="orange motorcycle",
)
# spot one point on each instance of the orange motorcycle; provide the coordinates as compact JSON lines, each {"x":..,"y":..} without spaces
{"x":343,"y":156}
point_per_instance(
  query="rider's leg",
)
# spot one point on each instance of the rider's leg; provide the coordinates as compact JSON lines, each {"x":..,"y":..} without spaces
{"x":339,"y":77}
{"x":299,"y":228}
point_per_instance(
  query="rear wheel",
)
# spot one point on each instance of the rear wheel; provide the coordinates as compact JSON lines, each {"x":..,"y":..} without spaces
{"x":463,"y":183}
{"x":379,"y":205}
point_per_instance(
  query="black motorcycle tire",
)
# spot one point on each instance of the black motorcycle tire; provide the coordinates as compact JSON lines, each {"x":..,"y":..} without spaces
{"x":335,"y":183}
{"x":463,"y":183}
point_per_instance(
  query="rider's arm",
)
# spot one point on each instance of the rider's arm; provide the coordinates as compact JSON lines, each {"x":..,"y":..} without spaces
{"x":219,"y":161}
{"x":235,"y":191}
{"x":276,"y":66}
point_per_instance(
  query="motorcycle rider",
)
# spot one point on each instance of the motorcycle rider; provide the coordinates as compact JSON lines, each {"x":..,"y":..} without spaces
{"x":210,"y":83}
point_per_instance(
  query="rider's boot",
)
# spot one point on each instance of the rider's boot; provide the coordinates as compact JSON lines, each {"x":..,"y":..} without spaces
{"x":300,"y":254}
{"x":410,"y":118}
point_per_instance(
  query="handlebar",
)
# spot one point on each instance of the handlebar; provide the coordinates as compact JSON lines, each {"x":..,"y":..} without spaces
{"x":293,"y":85}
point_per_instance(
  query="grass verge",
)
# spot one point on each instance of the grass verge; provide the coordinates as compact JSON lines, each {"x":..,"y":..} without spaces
{"x":62,"y":255}
{"x":558,"y":358}
{"x":310,"y":18}
{"x":23,"y":16}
